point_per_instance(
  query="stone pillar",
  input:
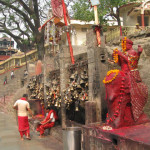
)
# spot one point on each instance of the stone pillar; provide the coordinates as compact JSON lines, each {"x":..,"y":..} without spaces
{"x":97,"y":69}
{"x":64,"y":59}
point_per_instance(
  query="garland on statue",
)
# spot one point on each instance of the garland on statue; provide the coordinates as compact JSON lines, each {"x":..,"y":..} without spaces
{"x":117,"y":111}
{"x":123,"y":44}
{"x":108,"y":73}
{"x":115,"y":55}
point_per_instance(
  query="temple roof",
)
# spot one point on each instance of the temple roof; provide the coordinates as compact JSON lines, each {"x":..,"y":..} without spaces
{"x":4,"y":57}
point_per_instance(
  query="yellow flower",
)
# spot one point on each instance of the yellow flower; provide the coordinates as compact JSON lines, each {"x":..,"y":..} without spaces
{"x":108,"y":73}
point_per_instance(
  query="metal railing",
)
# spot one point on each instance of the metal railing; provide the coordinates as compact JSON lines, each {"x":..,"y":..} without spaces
{"x":18,"y":60}
{"x":126,"y":30}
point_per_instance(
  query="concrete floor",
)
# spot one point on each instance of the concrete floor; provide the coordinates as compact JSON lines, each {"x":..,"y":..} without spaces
{"x":10,"y":138}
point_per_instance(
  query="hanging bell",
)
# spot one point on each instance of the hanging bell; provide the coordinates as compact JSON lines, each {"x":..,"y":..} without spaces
{"x":71,"y":89}
{"x":86,"y":84}
{"x":79,"y":87}
{"x":76,"y":106}
{"x":59,"y":105}
{"x":68,"y":89}
{"x":82,"y":83}
{"x":77,"y":96}
{"x":56,"y":103}
{"x":82,"y":76}
{"x":85,"y":70}
{"x":42,"y":102}
{"x":48,"y":104}
{"x":86,"y":98}
{"x":76,"y":72}
{"x":86,"y":78}
{"x":72,"y":77}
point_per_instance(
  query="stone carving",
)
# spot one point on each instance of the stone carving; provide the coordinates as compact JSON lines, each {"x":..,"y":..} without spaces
{"x":126,"y":94}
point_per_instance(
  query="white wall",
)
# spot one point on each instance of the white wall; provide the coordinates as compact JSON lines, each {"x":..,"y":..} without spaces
{"x":79,"y":37}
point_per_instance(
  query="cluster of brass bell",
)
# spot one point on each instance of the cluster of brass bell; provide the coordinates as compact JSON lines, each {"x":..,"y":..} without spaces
{"x":77,"y":90}
{"x":36,"y":88}
{"x":53,"y":96}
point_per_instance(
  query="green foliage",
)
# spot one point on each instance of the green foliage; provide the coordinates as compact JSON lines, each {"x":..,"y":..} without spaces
{"x":82,"y":9}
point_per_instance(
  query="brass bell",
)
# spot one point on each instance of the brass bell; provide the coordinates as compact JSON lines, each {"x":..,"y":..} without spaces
{"x":86,"y":77}
{"x":71,"y":89}
{"x":79,"y":88}
{"x":48,"y":104}
{"x":76,"y":106}
{"x":68,"y":89}
{"x":56,"y":103}
{"x":76,"y":72}
{"x":86,"y":98}
{"x":85,"y":70}
{"x":72,"y":77}
{"x":75,"y":92}
{"x":42,"y":102}
{"x":82,"y":82}
{"x":77,"y":95}
{"x":86,"y":84}
{"x":59,"y":105}
{"x":82,"y":76}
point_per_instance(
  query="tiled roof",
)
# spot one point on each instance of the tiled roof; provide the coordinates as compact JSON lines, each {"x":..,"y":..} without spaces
{"x":3,"y":38}
{"x":4,"y":57}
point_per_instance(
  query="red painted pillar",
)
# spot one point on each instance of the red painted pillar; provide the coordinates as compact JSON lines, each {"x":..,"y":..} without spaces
{"x":120,"y":31}
{"x":68,"y":36}
{"x":142,"y":18}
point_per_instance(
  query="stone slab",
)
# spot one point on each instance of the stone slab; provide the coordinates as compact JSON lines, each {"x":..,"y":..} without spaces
{"x":126,"y":138}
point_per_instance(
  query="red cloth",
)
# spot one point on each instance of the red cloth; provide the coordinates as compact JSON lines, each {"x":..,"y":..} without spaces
{"x":23,"y":125}
{"x":57,"y":8}
{"x":41,"y":128}
{"x":49,"y":114}
{"x":23,"y":98}
{"x":38,"y":69}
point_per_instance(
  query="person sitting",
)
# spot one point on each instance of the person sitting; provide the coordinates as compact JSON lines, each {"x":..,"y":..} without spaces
{"x":48,"y":122}
{"x":138,"y":28}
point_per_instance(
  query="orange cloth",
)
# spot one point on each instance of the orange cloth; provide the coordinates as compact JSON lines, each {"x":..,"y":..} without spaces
{"x":38,"y":69}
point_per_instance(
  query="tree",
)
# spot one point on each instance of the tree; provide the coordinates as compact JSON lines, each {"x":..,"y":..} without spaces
{"x":21,"y":19}
{"x":83,"y":11}
{"x":112,"y":7}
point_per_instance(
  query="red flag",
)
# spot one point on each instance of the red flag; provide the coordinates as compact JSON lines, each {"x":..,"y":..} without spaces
{"x":57,"y":8}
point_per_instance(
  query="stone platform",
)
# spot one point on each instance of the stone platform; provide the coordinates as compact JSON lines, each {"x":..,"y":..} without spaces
{"x":126,"y":138}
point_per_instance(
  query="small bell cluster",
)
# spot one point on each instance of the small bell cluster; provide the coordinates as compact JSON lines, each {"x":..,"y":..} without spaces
{"x":36,"y":88}
{"x":53,"y":96}
{"x":77,"y":90}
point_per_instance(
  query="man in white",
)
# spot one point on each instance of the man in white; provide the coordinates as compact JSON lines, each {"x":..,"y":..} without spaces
{"x":23,"y":108}
{"x":12,"y":74}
